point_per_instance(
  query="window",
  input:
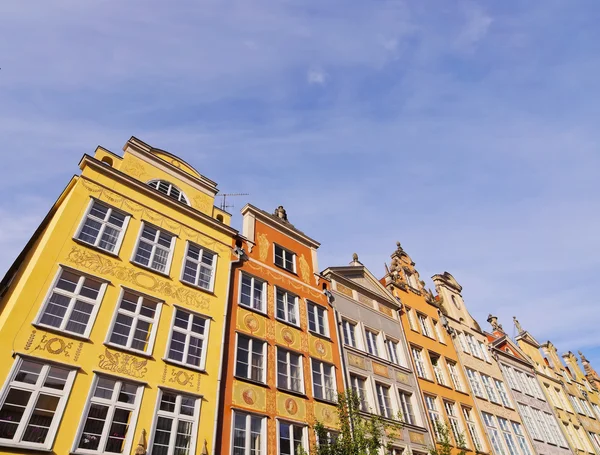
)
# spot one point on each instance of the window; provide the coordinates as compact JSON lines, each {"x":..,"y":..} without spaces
{"x":155,"y":248}
{"x":489,"y":388}
{"x":521,"y":438}
{"x":199,"y":267}
{"x":359,"y":386}
{"x":596,"y":409}
{"x":349,"y":329}
{"x":508,"y":437}
{"x":317,"y":319}
{"x":253,"y":293}
{"x":372,"y":347}
{"x":434,"y":414}
{"x":134,"y":326}
{"x":576,"y":404}
{"x":110,"y":414}
{"x":383,"y":400}
{"x":509,"y":374}
{"x":289,"y":371}
{"x":103,"y":227}
{"x":493,"y":433}
{"x":248,"y":434}
{"x":439,"y":333}
{"x":455,"y":376}
{"x":502,"y":392}
{"x":472,"y":427}
{"x":395,"y":451}
{"x":169,"y":189}
{"x":189,"y":332}
{"x":530,"y":423}
{"x":285,"y":258}
{"x":250,"y":358}
{"x":473,"y":346}
{"x":419,"y":363}
{"x":463,"y":342}
{"x":73,"y":303}
{"x":541,"y":423}
{"x":596,"y":440}
{"x":327,"y":438}
{"x":323,"y":375}
{"x":484,"y":352}
{"x":438,"y":369}
{"x":176,"y":424}
{"x":475,"y":384}
{"x":454,"y":421}
{"x":392,"y":350}
{"x":535,"y":387}
{"x":586,"y":407}
{"x":425,"y":330}
{"x":291,"y":438}
{"x":35,"y":395}
{"x":287,"y":307}
{"x":411,"y":319}
{"x":407,"y":411}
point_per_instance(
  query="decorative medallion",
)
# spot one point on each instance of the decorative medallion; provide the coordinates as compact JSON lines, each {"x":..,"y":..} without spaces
{"x":291,"y":406}
{"x":249,"y":396}
{"x":304,"y":269}
{"x":326,"y":415}
{"x":320,"y":348}
{"x":182,"y":377}
{"x":118,"y":362}
{"x":251,"y":323}
{"x":54,"y":345}
{"x":287,"y":336}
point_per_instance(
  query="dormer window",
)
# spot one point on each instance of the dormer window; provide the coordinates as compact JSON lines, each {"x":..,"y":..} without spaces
{"x":169,"y":189}
{"x":285,"y":258}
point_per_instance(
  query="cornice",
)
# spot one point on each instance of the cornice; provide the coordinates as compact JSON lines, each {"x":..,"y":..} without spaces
{"x":358,"y":287}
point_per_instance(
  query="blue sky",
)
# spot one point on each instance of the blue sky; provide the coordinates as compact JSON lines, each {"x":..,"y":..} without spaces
{"x":468,"y":130}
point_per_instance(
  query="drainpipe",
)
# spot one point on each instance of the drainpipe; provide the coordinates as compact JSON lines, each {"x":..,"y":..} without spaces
{"x":241,"y":254}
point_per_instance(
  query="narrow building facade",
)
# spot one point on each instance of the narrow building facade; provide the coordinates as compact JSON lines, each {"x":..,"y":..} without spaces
{"x":114,"y":313}
{"x":375,"y":355}
{"x":434,"y":358}
{"x":501,"y":420}
{"x":282,"y":368}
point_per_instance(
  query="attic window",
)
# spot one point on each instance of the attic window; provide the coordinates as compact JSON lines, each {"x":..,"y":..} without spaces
{"x":169,"y":189}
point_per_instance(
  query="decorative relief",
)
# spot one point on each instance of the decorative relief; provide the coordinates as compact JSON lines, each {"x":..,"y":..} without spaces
{"x":199,"y":376}
{"x":146,"y":280}
{"x":118,"y":362}
{"x":320,"y":348}
{"x":54,"y":345}
{"x":380,"y":369}
{"x":344,"y":290}
{"x":164,"y":375}
{"x":287,"y":282}
{"x":135,"y":169}
{"x":304,"y":269}
{"x":357,"y":361}
{"x":181,"y":377}
{"x":203,"y":204}
{"x":291,"y":406}
{"x":78,"y":351}
{"x":364,"y":299}
{"x":386,"y":310}
{"x":30,"y":340}
{"x":263,"y":246}
{"x":402,"y":377}
{"x":287,"y":336}
{"x":251,"y":323}
{"x":249,"y":396}
{"x":416,"y":438}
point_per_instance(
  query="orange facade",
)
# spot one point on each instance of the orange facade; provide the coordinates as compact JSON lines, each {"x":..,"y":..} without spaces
{"x":281,"y":367}
{"x":444,"y":388}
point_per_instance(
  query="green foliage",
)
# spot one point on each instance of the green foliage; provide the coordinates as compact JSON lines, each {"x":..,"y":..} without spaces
{"x":445,"y":444}
{"x":359,"y":434}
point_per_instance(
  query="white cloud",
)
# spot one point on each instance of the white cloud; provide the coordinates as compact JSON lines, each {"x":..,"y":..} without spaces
{"x":316,"y":76}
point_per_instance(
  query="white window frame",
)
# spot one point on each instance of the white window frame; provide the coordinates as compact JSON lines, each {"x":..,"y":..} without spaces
{"x":136,"y":317}
{"x":455,"y":376}
{"x":292,"y":426}
{"x":316,"y":308}
{"x":198,"y":263}
{"x":181,"y":198}
{"x":288,"y":373}
{"x":36,"y":390}
{"x":475,"y":383}
{"x":509,"y":440}
{"x":112,"y":404}
{"x":420,"y":367}
{"x":188,"y":334}
{"x":176,"y":417}
{"x":346,"y":326}
{"x":247,"y":431}
{"x":433,"y":412}
{"x":438,"y":370}
{"x":424,"y":324}
{"x":439,"y":333}
{"x":530,"y":422}
{"x":251,"y":354}
{"x":322,"y":367}
{"x":463,"y":342}
{"x":406,"y":405}
{"x":379,"y":389}
{"x":493,"y":432}
{"x":490,"y":390}
{"x":104,"y":223}
{"x":285,"y":253}
{"x":154,"y":244}
{"x":73,"y":298}
{"x":362,"y":393}
{"x":454,"y":420}
{"x":473,"y":430}
{"x":392,"y":350}
{"x":253,"y":284}
{"x":521,"y":439}
{"x":372,"y":342}
{"x":286,"y":306}
{"x":501,"y":389}
{"x":510,"y":376}
{"x":411,"y":319}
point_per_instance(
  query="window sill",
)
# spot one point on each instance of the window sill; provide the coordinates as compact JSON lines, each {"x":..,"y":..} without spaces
{"x":150,"y":269}
{"x":251,"y":381}
{"x":24,"y":446}
{"x":126,"y":350}
{"x":283,"y":268}
{"x":318,"y":335}
{"x":293,"y":392}
{"x":198,"y":288}
{"x":325,"y":400}
{"x":183,"y":365}
{"x":288,"y":323}
{"x":254,"y":310}
{"x":96,"y":248}
{"x":59,"y":332}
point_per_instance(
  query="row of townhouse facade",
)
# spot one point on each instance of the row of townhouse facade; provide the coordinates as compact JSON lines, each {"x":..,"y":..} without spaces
{"x":136,"y":320}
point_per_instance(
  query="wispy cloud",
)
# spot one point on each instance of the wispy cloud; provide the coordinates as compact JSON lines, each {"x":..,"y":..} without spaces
{"x":316,"y":76}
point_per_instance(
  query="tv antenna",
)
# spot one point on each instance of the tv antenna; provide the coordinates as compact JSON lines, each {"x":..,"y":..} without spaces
{"x":224,"y":205}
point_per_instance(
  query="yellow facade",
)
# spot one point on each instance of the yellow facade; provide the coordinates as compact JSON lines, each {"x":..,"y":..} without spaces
{"x":117,"y":361}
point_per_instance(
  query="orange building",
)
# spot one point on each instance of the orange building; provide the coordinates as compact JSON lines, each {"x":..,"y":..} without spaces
{"x":444,"y":388}
{"x":281,"y":362}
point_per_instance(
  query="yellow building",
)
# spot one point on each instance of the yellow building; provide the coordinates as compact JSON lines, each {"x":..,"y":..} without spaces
{"x":112,"y":317}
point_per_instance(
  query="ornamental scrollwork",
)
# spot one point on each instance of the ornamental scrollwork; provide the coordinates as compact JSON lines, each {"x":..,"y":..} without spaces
{"x":54,"y":345}
{"x":118,"y":362}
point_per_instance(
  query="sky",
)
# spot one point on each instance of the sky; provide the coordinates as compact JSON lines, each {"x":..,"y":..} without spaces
{"x":466,"y":130}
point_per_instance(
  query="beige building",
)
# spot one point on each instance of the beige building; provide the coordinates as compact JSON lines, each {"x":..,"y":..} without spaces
{"x":501,"y":420}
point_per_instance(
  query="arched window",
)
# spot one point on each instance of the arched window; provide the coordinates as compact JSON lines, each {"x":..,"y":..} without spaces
{"x":169,"y":189}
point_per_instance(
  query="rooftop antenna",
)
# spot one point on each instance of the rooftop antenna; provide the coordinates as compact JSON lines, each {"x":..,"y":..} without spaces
{"x":224,"y":205}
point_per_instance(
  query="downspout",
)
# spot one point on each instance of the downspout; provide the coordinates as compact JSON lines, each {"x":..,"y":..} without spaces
{"x":240,"y":253}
